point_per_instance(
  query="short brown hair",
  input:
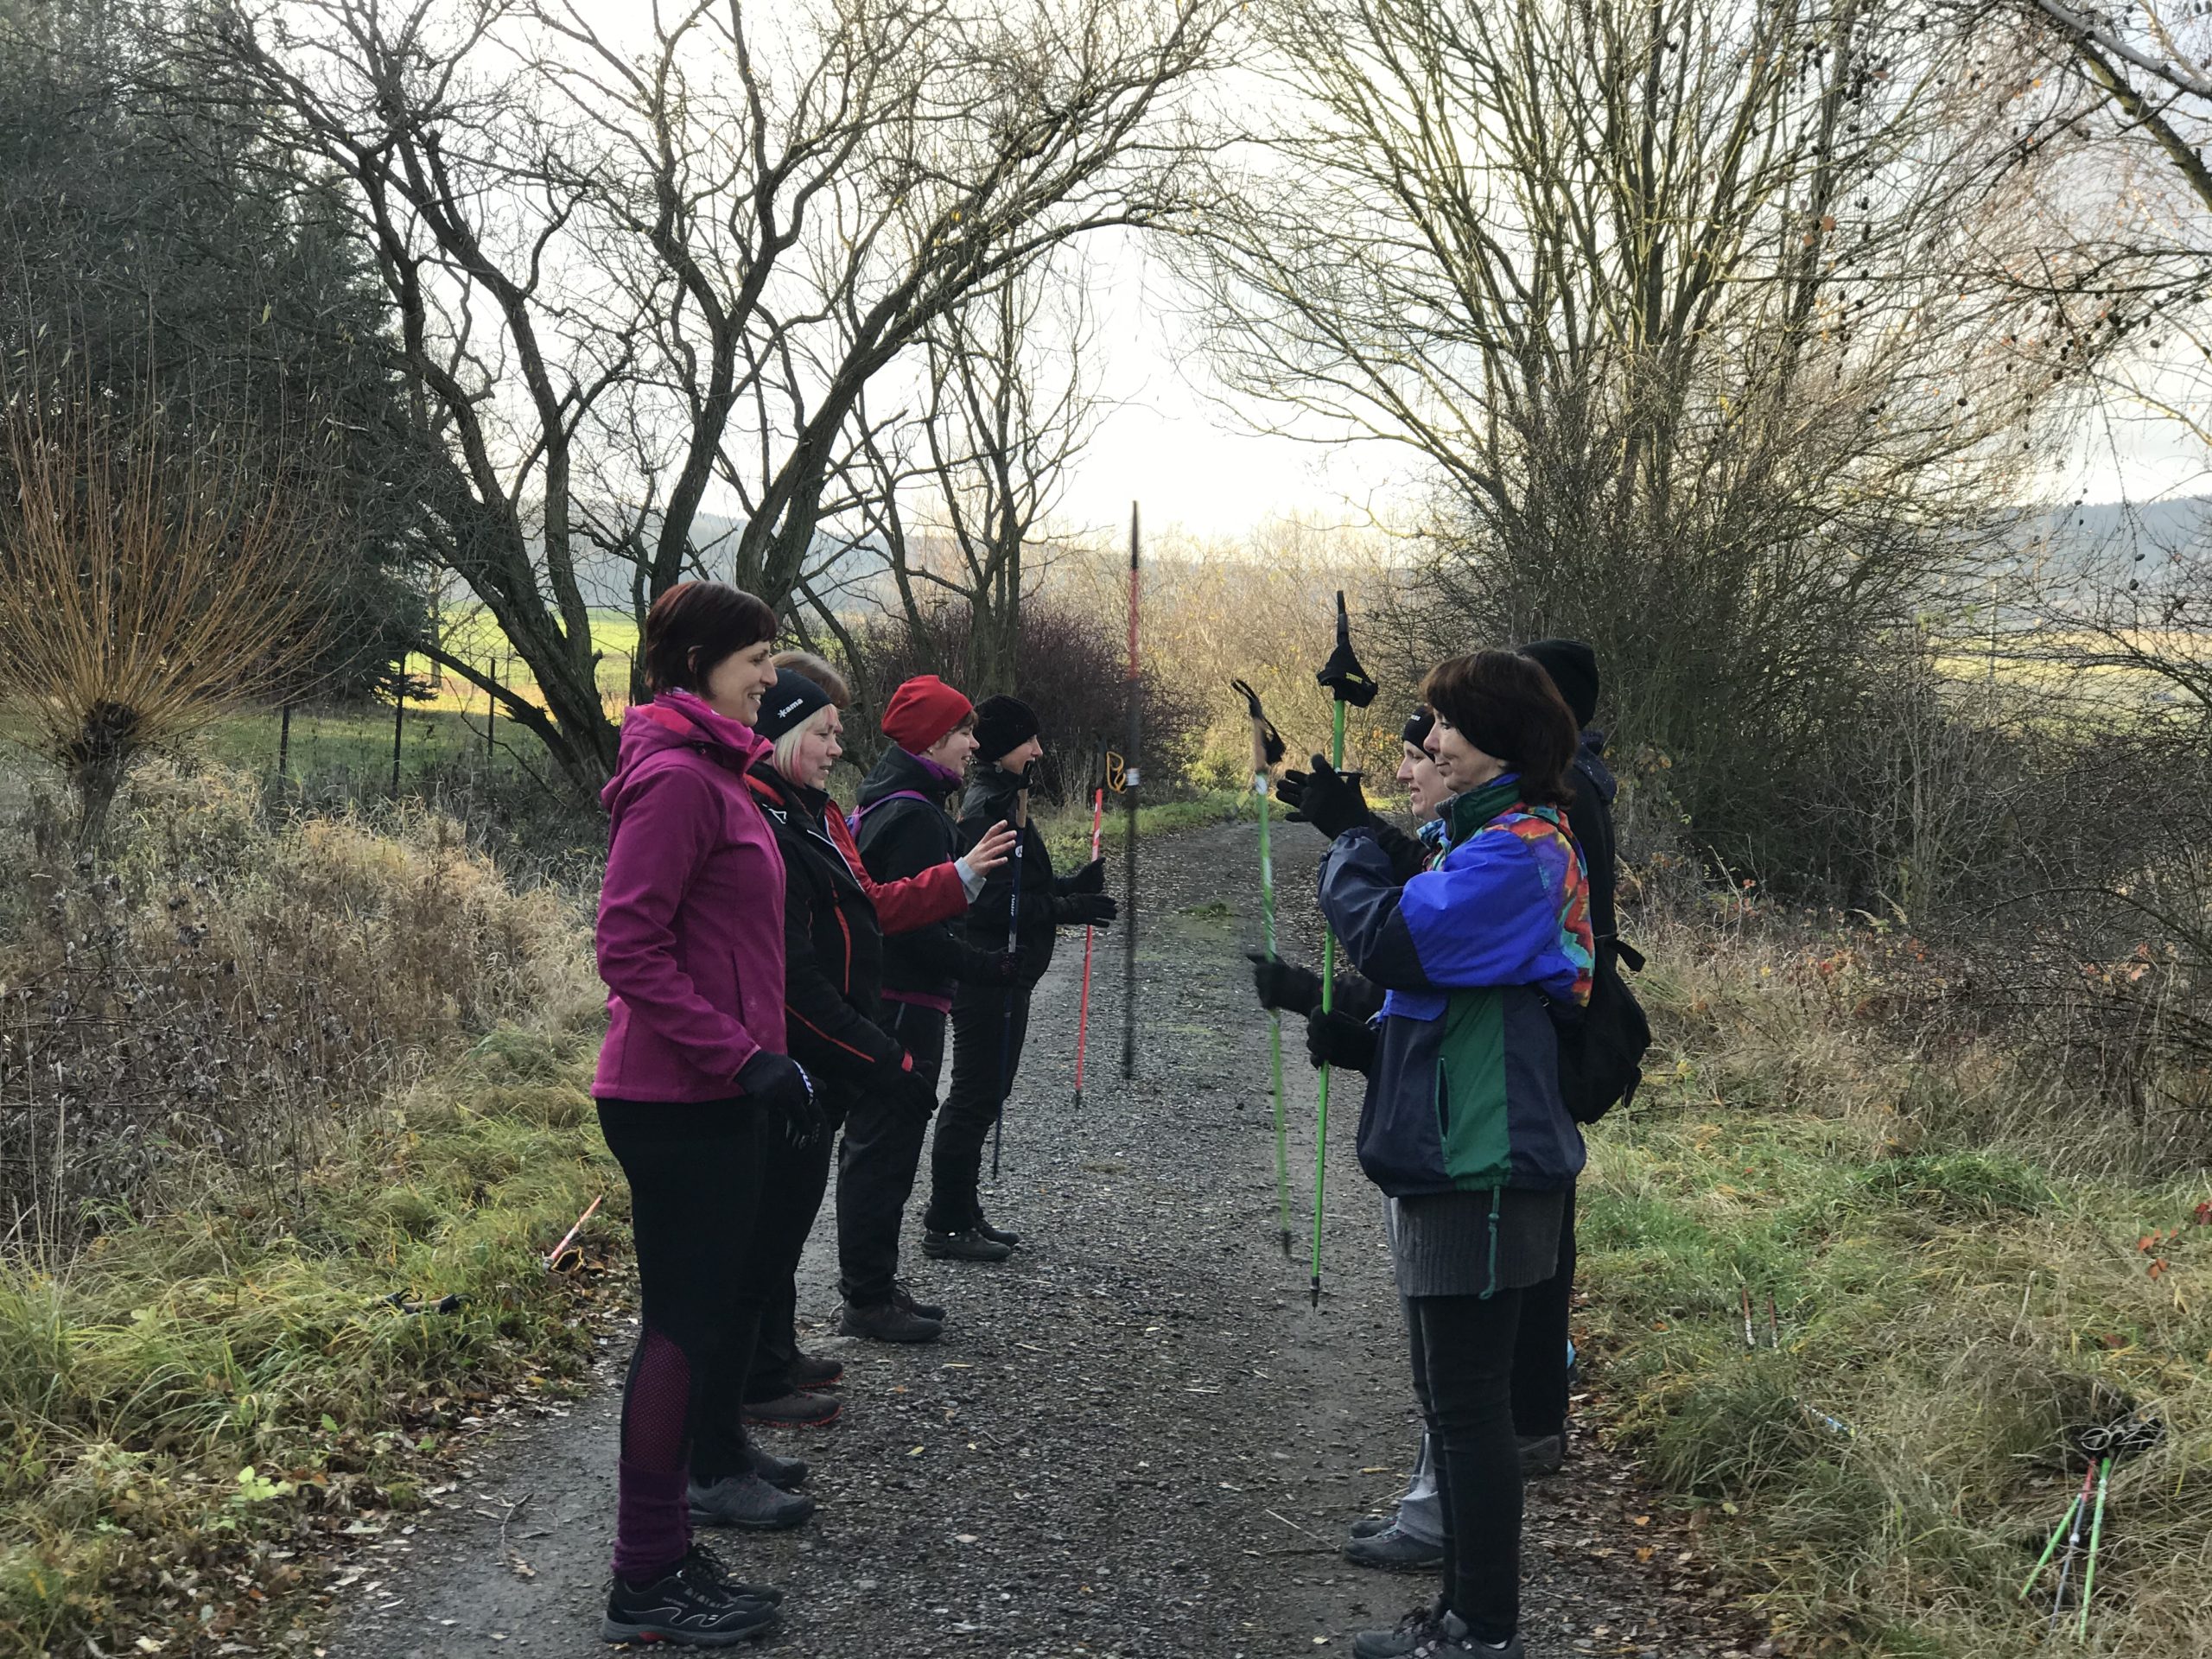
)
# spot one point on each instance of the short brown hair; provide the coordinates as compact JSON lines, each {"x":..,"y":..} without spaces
{"x":693,"y":626}
{"x":1507,"y":706}
{"x":818,"y":669}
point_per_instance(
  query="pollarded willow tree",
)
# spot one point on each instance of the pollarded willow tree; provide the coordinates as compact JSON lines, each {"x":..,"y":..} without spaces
{"x":1687,"y":308}
{"x":647,"y":259}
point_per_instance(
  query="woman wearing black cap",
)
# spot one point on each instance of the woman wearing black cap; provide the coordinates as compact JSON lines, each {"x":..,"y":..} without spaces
{"x":988,"y":1023}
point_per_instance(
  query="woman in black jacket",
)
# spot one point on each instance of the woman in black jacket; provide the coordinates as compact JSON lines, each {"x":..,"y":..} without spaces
{"x":989,"y":1022}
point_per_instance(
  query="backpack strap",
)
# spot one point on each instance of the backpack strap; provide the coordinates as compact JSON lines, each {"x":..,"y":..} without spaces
{"x":853,"y":820}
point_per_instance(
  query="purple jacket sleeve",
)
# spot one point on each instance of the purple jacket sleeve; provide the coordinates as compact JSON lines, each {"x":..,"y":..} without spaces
{"x":669,"y":825}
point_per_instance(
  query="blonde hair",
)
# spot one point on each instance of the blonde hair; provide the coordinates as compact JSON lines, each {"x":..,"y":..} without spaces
{"x":786,"y":754}
{"x":818,"y":670}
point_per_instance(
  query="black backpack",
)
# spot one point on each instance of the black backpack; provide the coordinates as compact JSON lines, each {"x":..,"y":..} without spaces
{"x":1601,"y":1047}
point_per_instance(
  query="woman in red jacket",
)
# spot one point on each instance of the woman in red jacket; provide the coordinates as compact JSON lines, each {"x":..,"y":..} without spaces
{"x":693,"y":1073}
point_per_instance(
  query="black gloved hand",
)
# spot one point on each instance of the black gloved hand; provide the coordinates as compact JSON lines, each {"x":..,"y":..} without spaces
{"x":779,"y":1087}
{"x":1339,"y":1040}
{"x":1284,"y":985}
{"x":993,"y":967}
{"x":1092,"y":909}
{"x":1092,"y":878}
{"x":913,"y":1092}
{"x":1328,"y":799}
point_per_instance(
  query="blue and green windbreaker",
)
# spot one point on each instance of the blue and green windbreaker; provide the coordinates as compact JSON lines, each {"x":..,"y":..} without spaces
{"x":1464,"y":1093}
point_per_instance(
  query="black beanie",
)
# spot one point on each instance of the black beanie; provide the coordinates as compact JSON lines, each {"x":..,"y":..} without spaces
{"x":790,"y":703}
{"x":1003,"y":724}
{"x":1574,"y":668}
{"x":1418,"y":726}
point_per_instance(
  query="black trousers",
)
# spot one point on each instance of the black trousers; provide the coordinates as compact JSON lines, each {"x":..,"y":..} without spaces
{"x":1540,"y":1352}
{"x":1463,"y":1372}
{"x":793,"y":1182}
{"x":877,"y":1161}
{"x":984,"y":1061}
{"x":694,"y":1172}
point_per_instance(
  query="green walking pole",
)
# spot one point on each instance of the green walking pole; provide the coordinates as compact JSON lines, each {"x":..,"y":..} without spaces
{"x":2096,"y":1536}
{"x":1350,"y":685}
{"x":1268,"y":751}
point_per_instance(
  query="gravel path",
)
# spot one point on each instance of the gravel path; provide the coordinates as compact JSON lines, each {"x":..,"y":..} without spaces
{"x":1137,"y":1438}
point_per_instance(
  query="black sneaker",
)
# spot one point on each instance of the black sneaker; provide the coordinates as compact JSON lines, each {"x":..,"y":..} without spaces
{"x":901,"y":1296}
{"x":963,"y":1247}
{"x":996,"y":1235}
{"x":748,"y":1502}
{"x":811,"y":1375}
{"x":693,"y":1604}
{"x":887,"y":1322}
{"x":783,"y":1473}
{"x":1395,"y":1550}
{"x":794,"y":1410}
{"x":1541,"y":1455}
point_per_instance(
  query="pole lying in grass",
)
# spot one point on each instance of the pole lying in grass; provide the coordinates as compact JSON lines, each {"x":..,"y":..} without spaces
{"x":1349,"y":686}
{"x":2096,"y":1537}
{"x":1266,"y":752}
{"x":1091,"y":934}
{"x":2050,"y":1548}
{"x":2073,"y":1548}
{"x":1014,"y":947}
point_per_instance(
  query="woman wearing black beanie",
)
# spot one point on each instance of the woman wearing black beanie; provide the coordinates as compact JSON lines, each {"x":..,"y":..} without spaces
{"x":989,"y":1022}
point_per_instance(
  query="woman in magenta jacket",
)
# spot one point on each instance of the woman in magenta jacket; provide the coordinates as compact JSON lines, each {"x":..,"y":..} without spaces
{"x":693,"y":1072}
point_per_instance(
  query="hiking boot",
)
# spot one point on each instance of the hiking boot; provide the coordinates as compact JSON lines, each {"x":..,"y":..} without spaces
{"x":996,"y":1235}
{"x":794,"y":1410}
{"x":903,"y":1296}
{"x":694,"y":1604}
{"x":1395,"y":1550}
{"x":968,"y":1246}
{"x":887,"y":1322}
{"x":748,"y":1502}
{"x":1368,"y":1525}
{"x":811,"y":1375}
{"x":782,"y":1473}
{"x":1541,"y":1455}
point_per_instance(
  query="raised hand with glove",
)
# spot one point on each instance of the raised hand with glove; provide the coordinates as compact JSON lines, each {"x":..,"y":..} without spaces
{"x":1330,"y":800}
{"x":1339,"y":1040}
{"x":1086,"y":910}
{"x":778,"y":1086}
{"x":1092,"y":878}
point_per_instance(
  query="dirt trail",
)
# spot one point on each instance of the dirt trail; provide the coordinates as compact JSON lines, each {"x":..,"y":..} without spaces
{"x":1136,"y":1439}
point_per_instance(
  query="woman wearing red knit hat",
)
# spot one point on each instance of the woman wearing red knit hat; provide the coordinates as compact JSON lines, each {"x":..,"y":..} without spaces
{"x":902,"y":828}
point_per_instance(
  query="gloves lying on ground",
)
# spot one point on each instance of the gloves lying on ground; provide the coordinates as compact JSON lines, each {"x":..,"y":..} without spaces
{"x":1284,"y":985}
{"x":1339,"y":1040}
{"x":778,"y":1085}
{"x":1330,"y":800}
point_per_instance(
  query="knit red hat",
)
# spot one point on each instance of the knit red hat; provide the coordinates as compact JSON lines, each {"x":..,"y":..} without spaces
{"x":922,"y":711}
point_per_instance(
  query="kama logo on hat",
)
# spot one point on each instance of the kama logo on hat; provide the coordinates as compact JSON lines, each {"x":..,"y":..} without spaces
{"x":788,"y":706}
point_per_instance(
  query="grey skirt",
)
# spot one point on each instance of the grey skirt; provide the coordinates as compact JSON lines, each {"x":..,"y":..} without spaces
{"x":1445,"y":1243}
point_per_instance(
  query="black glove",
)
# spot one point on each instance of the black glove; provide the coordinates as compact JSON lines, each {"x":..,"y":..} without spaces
{"x":778,"y":1085}
{"x":1339,"y":1040}
{"x":993,"y":967}
{"x":1090,"y":909}
{"x":912,"y":1091}
{"x":1284,"y":985}
{"x":1328,"y":799}
{"x":1092,"y":878}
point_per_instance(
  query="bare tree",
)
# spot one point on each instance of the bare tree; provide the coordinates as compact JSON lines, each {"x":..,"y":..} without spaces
{"x":643,"y":257}
{"x":1689,"y":310}
{"x":964,"y":490}
{"x":151,"y":578}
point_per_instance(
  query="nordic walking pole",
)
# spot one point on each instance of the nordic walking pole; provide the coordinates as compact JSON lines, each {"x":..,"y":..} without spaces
{"x":2073,"y":1548}
{"x":1013,"y":945}
{"x":1129,"y":772}
{"x":1089,"y":934}
{"x":2096,"y":1536}
{"x":1267,"y":751}
{"x":2050,"y":1548}
{"x":1349,"y":685}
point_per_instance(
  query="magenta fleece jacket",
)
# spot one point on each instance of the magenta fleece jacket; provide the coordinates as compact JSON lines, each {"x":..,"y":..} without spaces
{"x":691,"y":914}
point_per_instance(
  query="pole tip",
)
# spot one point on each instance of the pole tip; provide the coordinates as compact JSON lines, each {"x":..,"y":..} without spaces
{"x":1317,"y":1290}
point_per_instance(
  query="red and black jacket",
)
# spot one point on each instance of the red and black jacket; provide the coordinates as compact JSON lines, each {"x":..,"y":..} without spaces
{"x":833,"y":934}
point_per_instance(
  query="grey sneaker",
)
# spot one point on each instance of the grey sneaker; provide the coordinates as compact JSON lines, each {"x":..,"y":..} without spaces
{"x":1431,"y":1635}
{"x":970,"y":1246}
{"x":1411,"y":1631}
{"x":1395,"y":1550}
{"x":747,"y":1501}
{"x":1541,"y":1455}
{"x":1368,"y":1525}
{"x":784,"y":1473}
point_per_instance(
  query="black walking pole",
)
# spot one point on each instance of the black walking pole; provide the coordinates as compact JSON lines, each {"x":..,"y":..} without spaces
{"x":1129,"y":794}
{"x":1013,"y":949}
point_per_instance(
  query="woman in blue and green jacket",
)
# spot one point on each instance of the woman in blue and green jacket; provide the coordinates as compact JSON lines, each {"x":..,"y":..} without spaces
{"x":1481,"y":955}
